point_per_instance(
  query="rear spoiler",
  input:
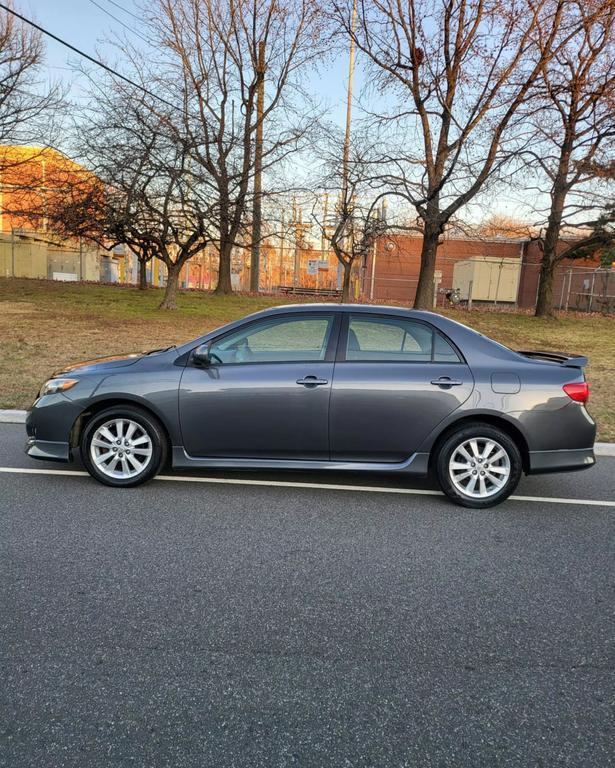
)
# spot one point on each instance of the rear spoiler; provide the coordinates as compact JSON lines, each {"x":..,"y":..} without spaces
{"x":568,"y":361}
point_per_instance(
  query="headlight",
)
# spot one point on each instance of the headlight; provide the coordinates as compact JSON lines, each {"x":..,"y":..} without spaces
{"x":56,"y":385}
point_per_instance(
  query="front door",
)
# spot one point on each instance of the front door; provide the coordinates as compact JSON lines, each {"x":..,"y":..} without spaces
{"x":397,"y":379}
{"x":266,"y":392}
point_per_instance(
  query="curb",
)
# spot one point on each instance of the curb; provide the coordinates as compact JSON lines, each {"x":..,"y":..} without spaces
{"x":19,"y":417}
{"x":12,"y":417}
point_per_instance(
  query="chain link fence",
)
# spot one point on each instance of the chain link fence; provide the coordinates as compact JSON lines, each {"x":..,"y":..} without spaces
{"x":584,"y":290}
{"x":466,"y":281}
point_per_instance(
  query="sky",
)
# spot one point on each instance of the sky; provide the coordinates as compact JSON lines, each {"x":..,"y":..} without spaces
{"x":86,"y":25}
{"x":79,"y":22}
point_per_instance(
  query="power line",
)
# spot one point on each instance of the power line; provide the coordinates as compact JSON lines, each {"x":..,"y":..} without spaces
{"x":119,"y":21}
{"x":121,"y":8}
{"x":88,"y":57}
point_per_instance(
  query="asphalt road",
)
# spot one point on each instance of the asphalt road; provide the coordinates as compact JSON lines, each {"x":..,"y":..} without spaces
{"x":201,"y":624}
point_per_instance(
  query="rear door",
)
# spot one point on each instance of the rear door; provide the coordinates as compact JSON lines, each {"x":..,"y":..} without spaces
{"x":265,"y":393}
{"x":395,"y":380}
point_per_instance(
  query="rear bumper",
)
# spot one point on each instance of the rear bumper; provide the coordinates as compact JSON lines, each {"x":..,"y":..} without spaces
{"x":561,"y":461}
{"x":47,"y":450}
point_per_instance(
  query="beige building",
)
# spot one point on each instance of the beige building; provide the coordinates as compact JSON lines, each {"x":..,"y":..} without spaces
{"x":38,"y":255}
{"x":31,"y":177}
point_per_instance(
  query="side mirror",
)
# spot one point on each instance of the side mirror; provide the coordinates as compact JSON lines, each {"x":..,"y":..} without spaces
{"x":200,"y":356}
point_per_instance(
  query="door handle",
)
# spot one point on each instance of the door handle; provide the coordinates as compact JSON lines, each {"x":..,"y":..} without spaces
{"x":446,"y":381}
{"x":312,"y":381}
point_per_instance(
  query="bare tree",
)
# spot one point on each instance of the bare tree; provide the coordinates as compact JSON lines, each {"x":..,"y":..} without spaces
{"x":456,"y":75}
{"x":605,"y":223}
{"x":24,"y":101}
{"x":76,"y":204}
{"x":575,"y":129}
{"x":356,"y":219}
{"x":209,"y":65}
{"x":499,"y":225}
{"x":135,"y":186}
{"x":154,"y":203}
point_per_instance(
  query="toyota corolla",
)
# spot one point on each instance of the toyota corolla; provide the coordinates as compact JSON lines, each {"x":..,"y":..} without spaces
{"x":325,"y":387}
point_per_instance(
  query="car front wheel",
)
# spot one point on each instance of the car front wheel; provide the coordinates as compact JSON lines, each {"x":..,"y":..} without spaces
{"x":478,"y":466}
{"x":123,"y":446}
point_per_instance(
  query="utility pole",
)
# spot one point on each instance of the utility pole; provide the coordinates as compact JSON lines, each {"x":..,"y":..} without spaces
{"x":258,"y":171}
{"x":323,"y":239}
{"x":298,"y":223}
{"x":282,"y":269}
{"x":324,"y":243}
{"x":346,"y":152}
{"x":351,"y":57}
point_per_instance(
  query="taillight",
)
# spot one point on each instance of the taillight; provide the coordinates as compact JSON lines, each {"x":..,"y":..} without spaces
{"x":579,"y":391}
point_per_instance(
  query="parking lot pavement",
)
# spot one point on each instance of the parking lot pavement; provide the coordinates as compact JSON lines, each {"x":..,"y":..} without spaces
{"x":200,"y":624}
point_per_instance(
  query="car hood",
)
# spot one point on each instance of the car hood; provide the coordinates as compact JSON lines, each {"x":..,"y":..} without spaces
{"x":100,"y":364}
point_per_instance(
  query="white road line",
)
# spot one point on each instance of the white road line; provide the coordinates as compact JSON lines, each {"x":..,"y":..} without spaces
{"x":555,"y":500}
{"x":28,"y":471}
{"x":294,"y":484}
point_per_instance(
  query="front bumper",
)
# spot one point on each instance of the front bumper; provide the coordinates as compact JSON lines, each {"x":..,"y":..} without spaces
{"x":566,"y":460}
{"x":47,"y":450}
{"x":48,"y":425}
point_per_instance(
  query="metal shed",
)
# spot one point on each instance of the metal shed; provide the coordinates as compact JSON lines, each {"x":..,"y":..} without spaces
{"x":488,"y":278}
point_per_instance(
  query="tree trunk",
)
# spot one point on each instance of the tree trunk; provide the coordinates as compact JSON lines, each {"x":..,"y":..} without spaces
{"x":544,"y":301}
{"x":170,"y":294}
{"x":142,"y":275}
{"x":346,"y":274}
{"x":425,"y":288}
{"x":224,"y":287}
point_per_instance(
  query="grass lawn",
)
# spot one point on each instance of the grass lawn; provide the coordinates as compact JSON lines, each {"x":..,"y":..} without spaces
{"x":46,"y":325}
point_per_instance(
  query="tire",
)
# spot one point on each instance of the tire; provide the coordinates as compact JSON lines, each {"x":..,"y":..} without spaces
{"x":142,"y":442}
{"x":465,"y":454}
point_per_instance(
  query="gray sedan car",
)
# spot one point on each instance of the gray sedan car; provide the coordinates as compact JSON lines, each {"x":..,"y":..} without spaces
{"x":325,"y":387}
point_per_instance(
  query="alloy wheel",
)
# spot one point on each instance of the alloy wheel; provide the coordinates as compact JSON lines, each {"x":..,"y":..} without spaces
{"x":479,"y":467}
{"x":121,"y":449}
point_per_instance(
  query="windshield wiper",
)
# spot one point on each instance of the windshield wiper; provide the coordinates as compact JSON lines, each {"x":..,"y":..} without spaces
{"x":162,"y":349}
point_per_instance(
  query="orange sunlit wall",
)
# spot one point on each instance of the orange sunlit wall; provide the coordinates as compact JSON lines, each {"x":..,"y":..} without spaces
{"x":31,"y":181}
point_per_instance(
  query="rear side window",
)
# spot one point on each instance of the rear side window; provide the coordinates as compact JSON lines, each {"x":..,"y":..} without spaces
{"x":442,"y":350}
{"x":395,"y":339}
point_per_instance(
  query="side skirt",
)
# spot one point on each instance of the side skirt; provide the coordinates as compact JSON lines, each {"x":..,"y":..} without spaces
{"x":416,"y":465}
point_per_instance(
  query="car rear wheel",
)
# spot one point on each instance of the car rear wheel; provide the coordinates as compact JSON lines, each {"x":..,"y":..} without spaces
{"x":478,"y":466}
{"x":123,"y":446}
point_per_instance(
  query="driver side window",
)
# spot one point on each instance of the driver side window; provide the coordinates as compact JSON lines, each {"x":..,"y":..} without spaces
{"x":275,"y":340}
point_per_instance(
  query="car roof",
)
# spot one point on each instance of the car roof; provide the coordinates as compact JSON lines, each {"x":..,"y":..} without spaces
{"x":330,"y":306}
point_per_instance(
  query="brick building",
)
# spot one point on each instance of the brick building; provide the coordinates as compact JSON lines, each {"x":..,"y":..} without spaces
{"x":392,"y":270}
